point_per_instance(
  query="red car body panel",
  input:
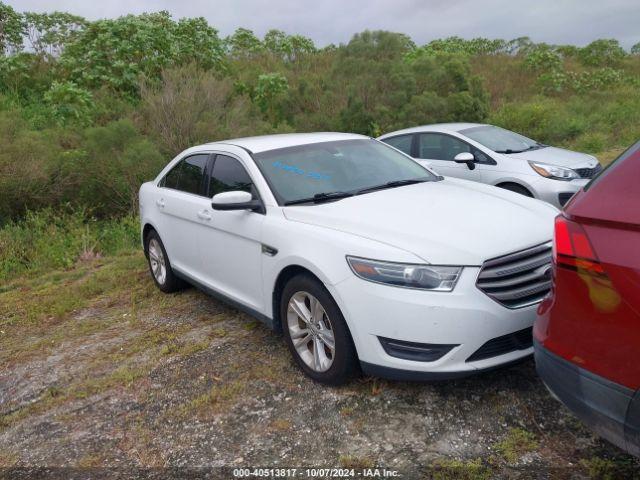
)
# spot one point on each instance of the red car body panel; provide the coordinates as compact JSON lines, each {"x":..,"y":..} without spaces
{"x":591,"y":317}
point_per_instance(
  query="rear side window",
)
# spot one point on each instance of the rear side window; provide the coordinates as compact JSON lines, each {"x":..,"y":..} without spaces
{"x":402,"y":143}
{"x":187,"y":175}
{"x":229,"y":175}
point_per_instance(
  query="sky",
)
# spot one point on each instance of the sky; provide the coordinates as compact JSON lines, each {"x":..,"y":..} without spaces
{"x":576,"y":22}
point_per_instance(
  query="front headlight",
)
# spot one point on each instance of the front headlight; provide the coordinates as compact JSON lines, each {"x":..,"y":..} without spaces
{"x":426,"y":277}
{"x":553,"y":171}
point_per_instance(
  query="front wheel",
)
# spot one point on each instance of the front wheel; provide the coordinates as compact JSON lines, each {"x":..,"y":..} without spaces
{"x":316,"y":332}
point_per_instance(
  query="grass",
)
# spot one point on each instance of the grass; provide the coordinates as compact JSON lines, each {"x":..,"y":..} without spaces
{"x":356,"y":462}
{"x":216,"y":399}
{"x":517,"y":443}
{"x":51,"y":240}
{"x":445,"y":469}
{"x":96,"y":303}
{"x":610,"y":468}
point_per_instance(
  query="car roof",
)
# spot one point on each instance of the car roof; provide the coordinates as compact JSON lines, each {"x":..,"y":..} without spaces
{"x":435,"y":127}
{"x":271,"y":142}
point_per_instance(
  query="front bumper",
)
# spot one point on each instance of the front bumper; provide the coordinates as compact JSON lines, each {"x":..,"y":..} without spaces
{"x":557,"y":192}
{"x":610,"y":409}
{"x":465,"y":318}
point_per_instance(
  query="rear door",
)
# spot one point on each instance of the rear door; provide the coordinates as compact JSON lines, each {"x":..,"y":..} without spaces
{"x":181,"y":202}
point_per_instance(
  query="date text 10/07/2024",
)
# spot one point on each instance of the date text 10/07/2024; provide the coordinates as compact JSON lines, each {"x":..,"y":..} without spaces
{"x":346,"y":473}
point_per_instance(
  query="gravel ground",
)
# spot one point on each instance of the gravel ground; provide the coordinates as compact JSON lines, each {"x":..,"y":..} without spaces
{"x":186,"y":382}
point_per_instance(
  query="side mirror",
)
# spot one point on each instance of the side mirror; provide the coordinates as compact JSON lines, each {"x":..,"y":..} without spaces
{"x":466,"y":157}
{"x":236,"y":200}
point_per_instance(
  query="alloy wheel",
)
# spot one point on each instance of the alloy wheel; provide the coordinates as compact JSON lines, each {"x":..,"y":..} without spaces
{"x":157,"y":261}
{"x":311,"y":331}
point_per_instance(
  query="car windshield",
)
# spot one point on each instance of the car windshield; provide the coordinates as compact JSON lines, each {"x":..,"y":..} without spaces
{"x":332,"y":170}
{"x":500,"y":140}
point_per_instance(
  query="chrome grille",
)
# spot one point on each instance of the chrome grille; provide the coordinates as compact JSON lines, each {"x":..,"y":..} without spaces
{"x":519,"y":279}
{"x":588,"y":172}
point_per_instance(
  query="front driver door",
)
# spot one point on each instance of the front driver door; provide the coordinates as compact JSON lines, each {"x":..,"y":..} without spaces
{"x":438,"y":151}
{"x":230,"y":243}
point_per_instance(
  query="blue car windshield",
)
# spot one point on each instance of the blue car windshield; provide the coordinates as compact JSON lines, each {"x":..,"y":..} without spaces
{"x":338,"y":167}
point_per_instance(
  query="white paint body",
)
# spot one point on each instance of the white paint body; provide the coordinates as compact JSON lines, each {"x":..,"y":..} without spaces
{"x":449,"y":222}
{"x":508,"y":168}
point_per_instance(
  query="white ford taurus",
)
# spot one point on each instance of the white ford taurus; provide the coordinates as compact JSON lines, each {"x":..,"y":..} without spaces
{"x":362,"y":257}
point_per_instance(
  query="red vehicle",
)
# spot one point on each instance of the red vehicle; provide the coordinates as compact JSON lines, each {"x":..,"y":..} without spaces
{"x":587,"y":335}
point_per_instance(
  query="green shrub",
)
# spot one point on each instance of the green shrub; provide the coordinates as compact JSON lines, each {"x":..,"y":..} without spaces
{"x":543,"y":59}
{"x":30,"y":166}
{"x":541,"y":119}
{"x":268,"y":95}
{"x":70,"y":103}
{"x":115,"y":160}
{"x":189,"y":106}
{"x":54,"y":239}
{"x":591,"y":142}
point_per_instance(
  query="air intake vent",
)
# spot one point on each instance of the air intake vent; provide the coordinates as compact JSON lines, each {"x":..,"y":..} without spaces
{"x":520,"y":340}
{"x":588,"y":172}
{"x":519,"y":279}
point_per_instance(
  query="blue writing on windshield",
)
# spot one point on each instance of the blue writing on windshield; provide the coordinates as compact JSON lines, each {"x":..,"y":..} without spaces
{"x":300,"y":171}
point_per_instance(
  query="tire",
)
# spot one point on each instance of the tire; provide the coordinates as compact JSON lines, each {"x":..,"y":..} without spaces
{"x":336,"y":366}
{"x":514,"y":187}
{"x":159,"y":265}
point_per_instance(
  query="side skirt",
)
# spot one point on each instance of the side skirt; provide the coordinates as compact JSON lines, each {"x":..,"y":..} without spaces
{"x":223,"y":298}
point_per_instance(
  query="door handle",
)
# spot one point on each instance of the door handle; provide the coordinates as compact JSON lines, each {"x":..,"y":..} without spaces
{"x":204,"y":215}
{"x":160,"y":203}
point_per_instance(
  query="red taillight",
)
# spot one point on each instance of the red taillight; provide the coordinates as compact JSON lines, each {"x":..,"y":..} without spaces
{"x":572,"y":248}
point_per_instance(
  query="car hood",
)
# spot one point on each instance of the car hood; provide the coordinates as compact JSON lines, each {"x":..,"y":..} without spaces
{"x":449,"y":222}
{"x":557,"y":156}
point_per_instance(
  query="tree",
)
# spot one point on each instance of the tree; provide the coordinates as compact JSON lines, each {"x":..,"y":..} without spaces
{"x":48,"y":33}
{"x":243,"y":43}
{"x":601,"y":53}
{"x":115,"y":53}
{"x":287,"y":47}
{"x":12,"y":29}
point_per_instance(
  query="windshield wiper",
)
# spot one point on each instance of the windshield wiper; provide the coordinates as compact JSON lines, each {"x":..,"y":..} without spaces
{"x":532,"y":147}
{"x":508,"y":151}
{"x":392,"y":184}
{"x":321,"y":197}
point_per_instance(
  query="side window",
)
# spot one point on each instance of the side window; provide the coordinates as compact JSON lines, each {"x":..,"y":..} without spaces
{"x":228,"y":175}
{"x":187,"y":175}
{"x":435,"y":146}
{"x":402,"y":143}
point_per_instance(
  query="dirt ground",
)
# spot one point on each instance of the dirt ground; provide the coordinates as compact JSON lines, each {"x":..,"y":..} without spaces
{"x":100,"y":372}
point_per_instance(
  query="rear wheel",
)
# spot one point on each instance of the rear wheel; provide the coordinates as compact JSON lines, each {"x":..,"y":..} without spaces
{"x":316,"y":332}
{"x":514,"y":187}
{"x":159,"y":265}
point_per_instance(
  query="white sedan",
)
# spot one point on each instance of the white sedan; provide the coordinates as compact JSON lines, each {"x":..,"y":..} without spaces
{"x":493,"y":155}
{"x":362,"y":257}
